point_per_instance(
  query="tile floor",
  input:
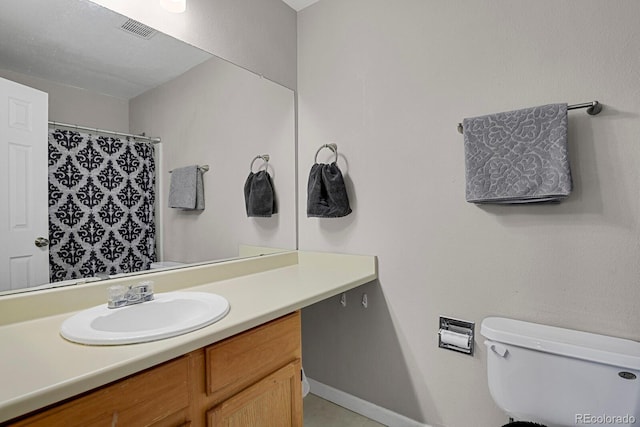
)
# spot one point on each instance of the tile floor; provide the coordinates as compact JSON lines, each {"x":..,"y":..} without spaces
{"x":322,"y":413}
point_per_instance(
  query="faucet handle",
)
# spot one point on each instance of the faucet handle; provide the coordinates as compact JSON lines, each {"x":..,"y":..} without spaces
{"x":119,"y":296}
{"x":116,"y":296}
{"x":143,"y":290}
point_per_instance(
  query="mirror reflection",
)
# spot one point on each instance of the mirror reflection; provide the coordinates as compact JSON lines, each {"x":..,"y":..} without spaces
{"x":104,"y":197}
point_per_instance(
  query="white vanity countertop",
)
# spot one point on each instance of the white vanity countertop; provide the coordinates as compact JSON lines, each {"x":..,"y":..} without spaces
{"x":38,"y":367}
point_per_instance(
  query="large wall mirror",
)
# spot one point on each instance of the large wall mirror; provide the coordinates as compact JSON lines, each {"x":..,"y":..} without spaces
{"x":206,"y":111}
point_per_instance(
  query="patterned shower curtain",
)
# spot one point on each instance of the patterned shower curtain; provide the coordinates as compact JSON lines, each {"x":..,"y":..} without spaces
{"x":101,"y":205}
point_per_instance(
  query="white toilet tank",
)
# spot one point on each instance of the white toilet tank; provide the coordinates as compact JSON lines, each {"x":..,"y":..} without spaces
{"x":560,"y":377}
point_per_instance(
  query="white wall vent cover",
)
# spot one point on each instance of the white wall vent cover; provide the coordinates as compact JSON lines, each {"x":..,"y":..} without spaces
{"x":138,"y":29}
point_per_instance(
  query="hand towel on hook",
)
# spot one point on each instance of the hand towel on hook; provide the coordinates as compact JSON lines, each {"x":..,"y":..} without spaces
{"x":259,"y":196}
{"x":326,"y":192}
{"x":518,"y":156}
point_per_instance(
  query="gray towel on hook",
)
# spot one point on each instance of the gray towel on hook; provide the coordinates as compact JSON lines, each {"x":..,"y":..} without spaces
{"x":326,"y":192}
{"x":186,"y":190}
{"x":518,"y":156}
{"x":259,"y":196}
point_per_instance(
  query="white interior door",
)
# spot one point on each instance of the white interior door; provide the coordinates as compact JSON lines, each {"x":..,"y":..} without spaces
{"x":24,"y":208}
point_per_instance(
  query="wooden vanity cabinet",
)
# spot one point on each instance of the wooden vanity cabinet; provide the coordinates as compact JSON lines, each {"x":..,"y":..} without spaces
{"x":156,"y":397}
{"x":252,"y":379}
{"x":256,"y":376}
{"x":273,"y":401}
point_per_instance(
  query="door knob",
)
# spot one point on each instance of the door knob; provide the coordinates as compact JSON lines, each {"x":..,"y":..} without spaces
{"x":41,"y":242}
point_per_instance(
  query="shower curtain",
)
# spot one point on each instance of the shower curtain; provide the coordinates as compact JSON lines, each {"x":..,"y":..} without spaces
{"x":101,"y":205}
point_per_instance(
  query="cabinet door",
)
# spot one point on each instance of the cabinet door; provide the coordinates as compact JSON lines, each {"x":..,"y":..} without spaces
{"x":237,"y":362}
{"x":158,"y":396}
{"x":275,"y":401}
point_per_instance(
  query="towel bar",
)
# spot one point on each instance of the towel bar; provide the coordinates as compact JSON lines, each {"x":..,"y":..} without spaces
{"x":331,"y":146}
{"x":593,"y":108}
{"x":203,"y":168}
{"x":264,"y":157}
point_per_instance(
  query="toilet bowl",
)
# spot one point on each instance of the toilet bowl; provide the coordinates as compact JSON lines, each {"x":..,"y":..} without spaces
{"x":560,"y":377}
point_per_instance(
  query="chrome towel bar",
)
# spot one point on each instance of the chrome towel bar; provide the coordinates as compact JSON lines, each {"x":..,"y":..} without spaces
{"x":203,"y":168}
{"x":593,"y":108}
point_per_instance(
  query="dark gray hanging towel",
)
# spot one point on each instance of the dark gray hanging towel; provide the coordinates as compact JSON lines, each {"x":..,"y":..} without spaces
{"x":518,"y":156}
{"x":326,"y":192}
{"x":259,"y":196}
{"x":186,"y":189}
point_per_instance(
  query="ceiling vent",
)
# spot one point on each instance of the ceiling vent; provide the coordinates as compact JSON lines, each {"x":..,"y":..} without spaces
{"x":138,"y":29}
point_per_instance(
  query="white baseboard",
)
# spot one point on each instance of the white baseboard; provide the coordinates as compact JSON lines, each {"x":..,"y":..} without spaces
{"x":362,"y":407}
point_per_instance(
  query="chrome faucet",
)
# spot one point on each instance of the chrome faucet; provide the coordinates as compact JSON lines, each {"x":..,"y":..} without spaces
{"x":121,"y":296}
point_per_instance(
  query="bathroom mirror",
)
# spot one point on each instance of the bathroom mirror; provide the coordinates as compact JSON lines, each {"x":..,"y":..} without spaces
{"x":206,"y":111}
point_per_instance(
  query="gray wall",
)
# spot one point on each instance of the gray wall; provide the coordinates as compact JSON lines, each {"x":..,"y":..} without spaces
{"x":221,"y":115}
{"x":388,"y":81}
{"x":68,"y":104}
{"x":257,"y":35}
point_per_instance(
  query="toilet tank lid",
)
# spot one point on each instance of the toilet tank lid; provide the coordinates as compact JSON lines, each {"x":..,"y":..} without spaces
{"x":613,"y":351}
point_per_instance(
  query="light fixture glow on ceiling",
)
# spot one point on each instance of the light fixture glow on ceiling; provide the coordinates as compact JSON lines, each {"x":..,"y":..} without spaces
{"x":174,"y":6}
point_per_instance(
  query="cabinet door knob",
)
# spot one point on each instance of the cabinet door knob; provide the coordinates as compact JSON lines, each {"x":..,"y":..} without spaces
{"x":41,"y":242}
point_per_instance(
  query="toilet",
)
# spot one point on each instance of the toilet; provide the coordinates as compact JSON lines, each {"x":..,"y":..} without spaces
{"x":559,"y":377}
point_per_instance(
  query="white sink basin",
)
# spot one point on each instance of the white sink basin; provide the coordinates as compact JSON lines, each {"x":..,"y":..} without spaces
{"x":168,"y":315}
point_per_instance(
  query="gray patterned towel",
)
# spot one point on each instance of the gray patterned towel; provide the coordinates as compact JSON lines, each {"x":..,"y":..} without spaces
{"x":518,"y":156}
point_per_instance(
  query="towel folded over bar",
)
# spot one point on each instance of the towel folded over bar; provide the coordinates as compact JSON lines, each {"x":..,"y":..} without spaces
{"x":186,"y":190}
{"x":518,"y":156}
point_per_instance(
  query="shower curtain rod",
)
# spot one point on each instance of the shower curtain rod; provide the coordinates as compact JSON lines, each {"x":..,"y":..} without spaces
{"x":153,"y":140}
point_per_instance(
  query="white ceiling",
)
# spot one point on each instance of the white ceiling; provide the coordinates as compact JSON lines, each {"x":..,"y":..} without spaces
{"x":80,"y":43}
{"x":298,"y":5}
